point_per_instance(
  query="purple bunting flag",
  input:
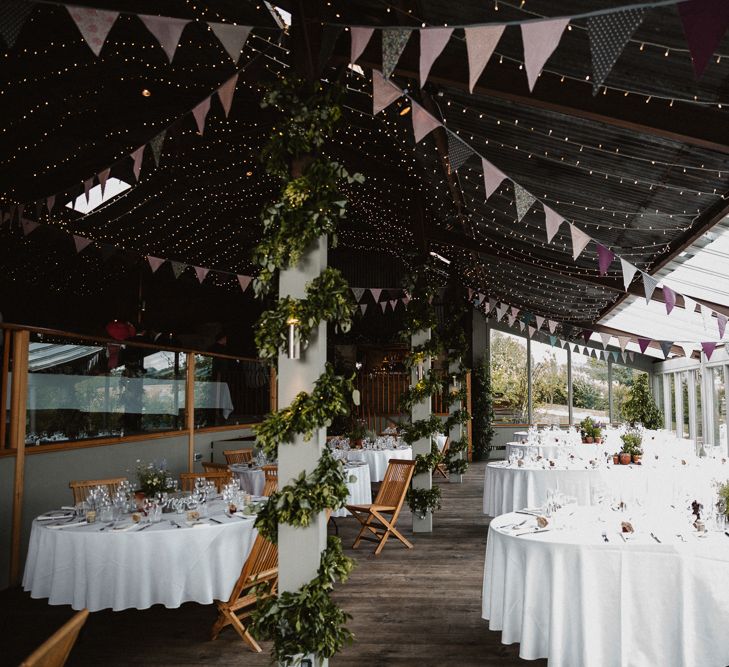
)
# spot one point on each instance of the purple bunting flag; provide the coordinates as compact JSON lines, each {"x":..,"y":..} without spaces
{"x":669,"y":296}
{"x":605,"y":258}
{"x":708,"y":349}
{"x":244,"y":281}
{"x":155,"y":262}
{"x":201,"y":272}
{"x":643,"y":344}
{"x":704,"y":24}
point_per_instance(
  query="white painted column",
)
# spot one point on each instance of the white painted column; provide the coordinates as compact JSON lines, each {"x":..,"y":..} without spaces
{"x":421,"y":410}
{"x":299,"y":549}
{"x":457,"y":430}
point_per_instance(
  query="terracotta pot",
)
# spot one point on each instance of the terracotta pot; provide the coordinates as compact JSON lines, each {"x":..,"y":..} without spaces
{"x":637,"y":458}
{"x":598,"y":441}
{"x":139,"y":497}
{"x":589,"y":440}
{"x":357,"y":444}
{"x":624,"y":458}
{"x":616,"y":459}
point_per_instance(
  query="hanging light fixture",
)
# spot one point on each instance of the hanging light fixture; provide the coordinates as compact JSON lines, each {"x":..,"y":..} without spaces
{"x":294,"y":342}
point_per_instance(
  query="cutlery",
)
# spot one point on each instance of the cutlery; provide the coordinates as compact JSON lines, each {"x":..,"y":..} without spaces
{"x":144,"y":527}
{"x":655,"y":538}
{"x":176,"y":525}
{"x":214,"y":520}
{"x":533,"y":532}
{"x":622,"y":537}
{"x":604,"y":536}
{"x":680,"y":537}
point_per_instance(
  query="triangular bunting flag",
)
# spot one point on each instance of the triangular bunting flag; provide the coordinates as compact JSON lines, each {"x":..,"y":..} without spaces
{"x":358,"y":292}
{"x":470,"y":294}
{"x":540,"y":40}
{"x":93,"y":24}
{"x":432,"y":43}
{"x":155,"y":262}
{"x":50,"y":202}
{"x":623,"y":341}
{"x":360,"y":38}
{"x":669,"y":297}
{"x":704,"y":24}
{"x":480,"y":44}
{"x":383,"y":305}
{"x":156,"y":145}
{"x":688,"y":349}
{"x":511,"y":318}
{"x":643,"y":344}
{"x":232,"y":37}
{"x":532,"y":330}
{"x":492,"y":304}
{"x":80,"y":242}
{"x":458,"y":152}
{"x":514,"y":311}
{"x":576,"y":349}
{"x":501,"y":311}
{"x":88,"y":184}
{"x":200,"y":113}
{"x":103,"y":176}
{"x":393,"y":303}
{"x":375,"y":291}
{"x":666,"y":346}
{"x":394,"y":41}
{"x":624,"y":355}
{"x":177,"y":267}
{"x":137,"y":161}
{"x":540,"y":321}
{"x":523,"y":200}
{"x":553,"y":340}
{"x":244,"y":281}
{"x":28,"y":226}
{"x":13,"y":16}
{"x":552,"y":326}
{"x":586,"y":335}
{"x":706,"y":314}
{"x":363,"y":307}
{"x":631,"y":356}
{"x":423,"y":122}
{"x":579,"y":241}
{"x":521,"y":325}
{"x":552,"y":222}
{"x":708,"y":349}
{"x":721,"y":321}
{"x":614,"y":353}
{"x":649,"y":285}
{"x":605,"y":258}
{"x":689,"y":305}
{"x":605,"y":338}
{"x":226,"y":92}
{"x":384,"y":92}
{"x":492,"y":177}
{"x":201,"y":272}
{"x":167,"y":30}
{"x":628,"y":272}
{"x":609,"y":33}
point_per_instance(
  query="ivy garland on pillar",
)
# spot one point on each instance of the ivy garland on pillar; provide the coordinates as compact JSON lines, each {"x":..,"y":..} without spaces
{"x":310,"y":204}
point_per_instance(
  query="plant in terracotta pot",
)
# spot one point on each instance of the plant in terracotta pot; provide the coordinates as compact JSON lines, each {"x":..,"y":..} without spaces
{"x":631,"y":450}
{"x":587,"y":427}
{"x":616,"y":459}
{"x":357,"y":433}
{"x":597,"y":434}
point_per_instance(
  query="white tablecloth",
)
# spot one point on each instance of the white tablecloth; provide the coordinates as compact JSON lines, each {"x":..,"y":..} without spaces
{"x":510,"y":488}
{"x":252,"y":480}
{"x":583,"y":451}
{"x":360,"y":490}
{"x":378,"y":458}
{"x":136,"y":569}
{"x":580,"y":602}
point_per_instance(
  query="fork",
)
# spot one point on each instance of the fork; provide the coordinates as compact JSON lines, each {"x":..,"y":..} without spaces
{"x":604,"y":536}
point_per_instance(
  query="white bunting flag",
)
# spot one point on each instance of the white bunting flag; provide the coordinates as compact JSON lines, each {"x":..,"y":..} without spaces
{"x":540,"y":40}
{"x":375,"y":291}
{"x":167,"y":30}
{"x":552,"y":326}
{"x":93,"y":24}
{"x":432,"y":43}
{"x":200,"y":113}
{"x":383,"y":305}
{"x":579,"y":241}
{"x":605,"y":338}
{"x":552,"y":222}
{"x":360,"y":38}
{"x":363,"y":308}
{"x":423,"y":122}
{"x":226,"y":92}
{"x":540,"y":321}
{"x":480,"y":44}
{"x":155,"y":262}
{"x":384,"y":92}
{"x":628,"y":272}
{"x":232,"y":37}
{"x":492,"y":177}
{"x":201,"y":272}
{"x":623,"y":341}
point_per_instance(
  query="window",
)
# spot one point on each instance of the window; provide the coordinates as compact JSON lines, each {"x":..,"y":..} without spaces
{"x":671,"y":379}
{"x":549,"y":385}
{"x":509,"y":378}
{"x":684,"y":431}
{"x":719,"y":407}
{"x":623,"y":378}
{"x":589,"y":388}
{"x":699,"y":406}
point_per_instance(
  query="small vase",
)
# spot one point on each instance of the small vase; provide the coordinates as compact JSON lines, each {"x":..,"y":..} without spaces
{"x":598,"y":441}
{"x":637,"y":458}
{"x":616,"y":459}
{"x":624,"y":458}
{"x":588,"y":440}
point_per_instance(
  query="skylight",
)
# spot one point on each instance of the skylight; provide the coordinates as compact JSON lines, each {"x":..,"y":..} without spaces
{"x":114,"y":187}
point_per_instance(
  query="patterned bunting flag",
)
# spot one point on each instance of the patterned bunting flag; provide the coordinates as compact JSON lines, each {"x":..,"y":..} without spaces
{"x":200,"y":113}
{"x":708,"y":349}
{"x":609,"y":33}
{"x":605,"y":258}
{"x":628,"y":272}
{"x":704,"y":24}
{"x":156,"y":145}
{"x":201,"y":272}
{"x":226,"y":92}
{"x":93,"y":24}
{"x":669,"y":297}
{"x":666,"y":346}
{"x":432,"y":43}
{"x":177,"y":267}
{"x":232,"y":37}
{"x":360,"y":37}
{"x":244,"y":281}
{"x":384,"y":92}
{"x":523,"y":200}
{"x":492,"y":177}
{"x":480,"y":44}
{"x":423,"y":122}
{"x":579,"y":240}
{"x":80,"y":242}
{"x":643,"y":344}
{"x":394,"y":41}
{"x":13,"y":16}
{"x":458,"y":151}
{"x":649,"y":285}
{"x":155,"y":262}
{"x":166,"y":30}
{"x":540,"y":40}
{"x":552,"y":222}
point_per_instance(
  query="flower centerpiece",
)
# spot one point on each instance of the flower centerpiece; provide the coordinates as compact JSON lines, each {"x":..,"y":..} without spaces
{"x":153,"y":478}
{"x":357,"y":433}
{"x":631,"y":448}
{"x":590,"y":431}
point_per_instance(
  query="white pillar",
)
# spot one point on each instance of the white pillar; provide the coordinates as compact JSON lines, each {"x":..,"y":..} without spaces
{"x":299,"y":549}
{"x":421,"y":410}
{"x":456,"y":431}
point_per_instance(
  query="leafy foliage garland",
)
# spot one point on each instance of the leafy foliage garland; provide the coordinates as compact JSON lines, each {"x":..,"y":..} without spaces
{"x":309,"y":205}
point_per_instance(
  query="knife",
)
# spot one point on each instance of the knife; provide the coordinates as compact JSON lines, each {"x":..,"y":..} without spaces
{"x":655,"y":538}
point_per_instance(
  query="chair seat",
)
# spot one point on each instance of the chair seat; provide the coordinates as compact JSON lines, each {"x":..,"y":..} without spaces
{"x":376,"y":508}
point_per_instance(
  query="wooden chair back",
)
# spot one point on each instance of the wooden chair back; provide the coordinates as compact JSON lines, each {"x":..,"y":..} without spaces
{"x":442,"y":469}
{"x":395,"y":484}
{"x":238,"y":455}
{"x":80,"y":489}
{"x":220,"y":477}
{"x":209,"y":466}
{"x":55,"y":650}
{"x":271,"y":474}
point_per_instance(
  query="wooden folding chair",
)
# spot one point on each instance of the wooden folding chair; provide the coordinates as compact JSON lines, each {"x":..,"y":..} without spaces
{"x":389,"y":501}
{"x":442,"y":468}
{"x":80,"y":489}
{"x":238,"y":455}
{"x":54,"y":651}
{"x":260,"y":567}
{"x":271,"y":485}
{"x":209,"y":466}
{"x":220,"y":477}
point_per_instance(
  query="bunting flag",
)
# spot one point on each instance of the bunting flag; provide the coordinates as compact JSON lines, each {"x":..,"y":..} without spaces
{"x":511,"y":318}
{"x":103,"y":176}
{"x":470,"y":294}
{"x":492,"y":177}
{"x":137,"y":159}
{"x":624,"y":354}
{"x":155,"y":262}
{"x":375,"y":291}
{"x":666,"y":346}
{"x":226,"y":92}
{"x":156,"y":145}
{"x":384,"y":92}
{"x":688,"y":349}
{"x":649,"y":285}
{"x":244,"y":281}
{"x":360,"y":37}
{"x":13,"y":15}
{"x":553,"y":340}
{"x":531,"y":330}
{"x":615,"y":355}
{"x":605,"y":258}
{"x":523,"y":201}
{"x":623,"y":340}
{"x":689,"y":305}
{"x":363,"y":308}
{"x":552,"y":222}
{"x":232,"y":37}
{"x":540,"y":40}
{"x":708,"y":349}
{"x":358,"y":293}
{"x":80,"y":242}
{"x":50,"y":202}
{"x":29,"y":226}
{"x":88,"y":184}
{"x":579,"y":241}
{"x":514,"y":311}
{"x":501,"y":311}
{"x":540,"y":321}
{"x":721,"y":322}
{"x":704,"y":24}
{"x":177,"y":267}
{"x":631,"y":356}
{"x":492,"y":304}
{"x":200,"y":113}
{"x":166,"y":30}
{"x":586,"y":335}
{"x":628,"y":272}
{"x":458,"y":151}
{"x":201,"y":272}
{"x":706,"y":316}
{"x":609,"y":33}
{"x":432,"y":43}
{"x":393,"y":303}
{"x":93,"y":24}
{"x":552,"y":326}
{"x":669,"y":297}
{"x":480,"y":44}
{"x":605,"y":338}
{"x":383,"y":305}
{"x":576,"y":349}
{"x":423,"y":122}
{"x":643,"y":344}
{"x":394,"y":41}
{"x":521,"y":325}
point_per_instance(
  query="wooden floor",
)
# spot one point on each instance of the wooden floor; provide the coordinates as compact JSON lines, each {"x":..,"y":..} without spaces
{"x":410,"y":607}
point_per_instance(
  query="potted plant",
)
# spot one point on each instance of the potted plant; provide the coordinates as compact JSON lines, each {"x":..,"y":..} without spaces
{"x":587,"y":427}
{"x":357,"y":433}
{"x":597,"y":434}
{"x":631,"y":450}
{"x":640,"y":407}
{"x":616,"y":458}
{"x":152,"y":478}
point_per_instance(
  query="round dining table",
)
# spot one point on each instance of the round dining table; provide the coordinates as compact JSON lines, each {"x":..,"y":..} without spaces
{"x":377,"y":459}
{"x":94,"y":566}
{"x":557,"y":450}
{"x":591,"y":596}
{"x":358,"y":485}
{"x":252,"y":479}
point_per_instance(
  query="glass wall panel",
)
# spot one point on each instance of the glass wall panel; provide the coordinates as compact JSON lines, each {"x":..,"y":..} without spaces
{"x":549,"y":384}
{"x":671,"y":379}
{"x":623,"y":379}
{"x":719,"y":406}
{"x":509,"y":378}
{"x":590,"y":388}
{"x":684,"y":430}
{"x":699,"y":407}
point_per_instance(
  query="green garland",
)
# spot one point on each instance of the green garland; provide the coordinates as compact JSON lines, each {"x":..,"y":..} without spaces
{"x":429,"y":386}
{"x":422,"y":428}
{"x":428,"y":462}
{"x":422,"y":501}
